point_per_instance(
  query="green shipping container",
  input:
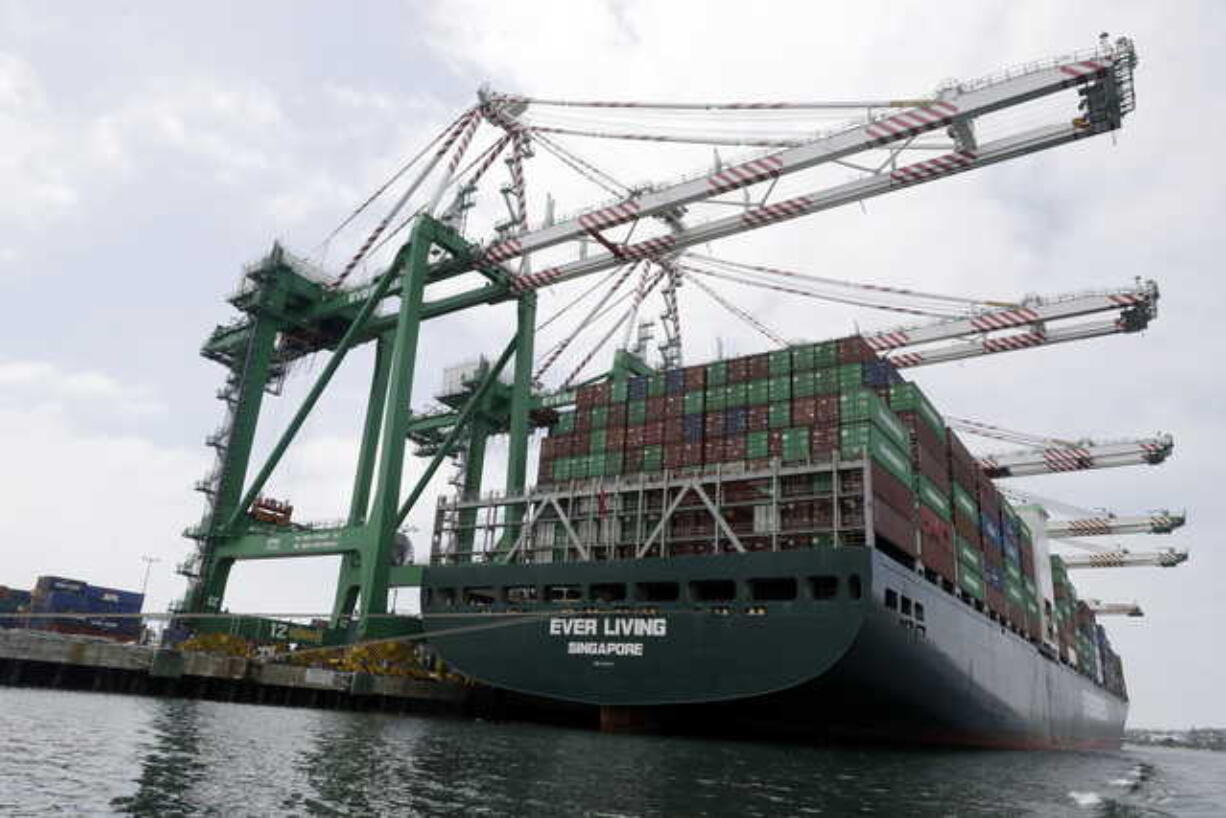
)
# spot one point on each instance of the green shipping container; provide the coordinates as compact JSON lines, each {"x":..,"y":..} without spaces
{"x":612,"y":464}
{"x":561,"y":469}
{"x":655,"y":385}
{"x":780,"y":415}
{"x":906,"y":397}
{"x":636,"y":413}
{"x":757,"y":445}
{"x":1031,"y":590}
{"x":565,"y":424}
{"x":803,"y":359}
{"x":781,"y":388}
{"x":969,"y":554}
{"x":866,"y":405}
{"x":759,"y":392}
{"x":693,"y":403}
{"x":578,"y":467}
{"x":620,"y":391}
{"x":825,"y":354}
{"x":804,"y":384}
{"x":971,"y":582}
{"x":857,"y":439}
{"x":716,"y":398}
{"x":781,"y":362}
{"x":653,"y":458}
{"x":599,"y":441}
{"x":1014,"y":590}
{"x":1013,"y":571}
{"x":932,"y":496}
{"x":717,"y":373}
{"x":967,"y":506}
{"x":600,"y":417}
{"x":796,"y":443}
{"x":826,"y":381}
{"x":595,"y":465}
{"x":851,"y":376}
{"x":736,"y":394}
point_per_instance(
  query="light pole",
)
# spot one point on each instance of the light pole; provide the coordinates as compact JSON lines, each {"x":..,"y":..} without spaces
{"x":148,"y":561}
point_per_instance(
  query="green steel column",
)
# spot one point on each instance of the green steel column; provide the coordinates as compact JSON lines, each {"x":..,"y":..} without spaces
{"x":207,"y":595}
{"x":521,"y":399}
{"x":474,"y":471}
{"x":348,"y":580}
{"x":382,"y":523}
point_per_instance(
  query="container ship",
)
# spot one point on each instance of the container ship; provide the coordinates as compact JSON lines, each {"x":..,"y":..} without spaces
{"x":71,"y":606}
{"x":793,"y":541}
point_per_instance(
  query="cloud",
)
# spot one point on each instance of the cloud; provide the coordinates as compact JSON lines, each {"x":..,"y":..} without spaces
{"x":87,"y":392}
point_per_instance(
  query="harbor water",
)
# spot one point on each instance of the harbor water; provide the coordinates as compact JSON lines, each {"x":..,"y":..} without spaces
{"x":68,"y":753}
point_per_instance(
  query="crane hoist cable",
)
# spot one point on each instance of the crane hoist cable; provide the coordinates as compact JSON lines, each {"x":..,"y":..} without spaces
{"x":583,"y":167}
{"x":586,"y":322}
{"x":738,"y":312}
{"x":640,"y":293}
{"x":810,"y":294}
{"x":573,"y":302}
{"x":393,"y":179}
{"x":981,"y":429}
{"x":974,"y":303}
{"x":710,"y":106}
{"x":455,"y":134}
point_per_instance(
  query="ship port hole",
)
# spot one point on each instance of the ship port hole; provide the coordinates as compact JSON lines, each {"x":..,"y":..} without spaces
{"x":713,"y":590}
{"x":608,"y":591}
{"x":891,"y":599}
{"x":657,"y":591}
{"x":776,"y":589}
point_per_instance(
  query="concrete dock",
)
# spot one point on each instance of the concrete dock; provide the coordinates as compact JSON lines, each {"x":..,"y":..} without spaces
{"x":39,"y":659}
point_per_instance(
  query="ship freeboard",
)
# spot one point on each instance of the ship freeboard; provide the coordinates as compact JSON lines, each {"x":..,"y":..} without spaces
{"x":854,"y":577}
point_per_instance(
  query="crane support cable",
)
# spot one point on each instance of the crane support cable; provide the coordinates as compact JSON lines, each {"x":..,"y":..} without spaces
{"x":585,"y":323}
{"x":583,"y":167}
{"x":730,"y":141}
{"x":739,"y":313}
{"x":988,"y":430}
{"x":714,"y":106}
{"x":835,"y":282}
{"x":576,"y":300}
{"x":394,"y":178}
{"x":810,"y":294}
{"x":459,"y":128}
{"x":641,"y":293}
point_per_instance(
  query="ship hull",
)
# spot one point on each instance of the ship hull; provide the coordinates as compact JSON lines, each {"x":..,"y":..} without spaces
{"x":838,"y":661}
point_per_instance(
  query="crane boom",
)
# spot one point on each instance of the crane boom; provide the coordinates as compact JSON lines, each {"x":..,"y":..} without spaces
{"x":958,"y":106}
{"x":1161,"y":522}
{"x":1100,"y":608}
{"x":1126,"y":559}
{"x":1136,"y":307}
{"x":1087,"y":455}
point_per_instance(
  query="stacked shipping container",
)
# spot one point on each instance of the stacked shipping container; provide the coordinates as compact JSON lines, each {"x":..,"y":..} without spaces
{"x":56,"y":595}
{"x":13,"y":601}
{"x":932,"y":503}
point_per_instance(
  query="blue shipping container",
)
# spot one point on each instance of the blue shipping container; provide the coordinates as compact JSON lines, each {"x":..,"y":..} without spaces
{"x":674,"y":381}
{"x":637,"y":388}
{"x":736,"y":420}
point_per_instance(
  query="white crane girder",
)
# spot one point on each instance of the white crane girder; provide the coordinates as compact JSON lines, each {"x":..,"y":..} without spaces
{"x":1126,"y":559}
{"x":958,"y":105}
{"x":1034,"y":316}
{"x":1158,"y":523}
{"x":1100,"y":608}
{"x":1076,"y":458}
{"x":1029,"y":339}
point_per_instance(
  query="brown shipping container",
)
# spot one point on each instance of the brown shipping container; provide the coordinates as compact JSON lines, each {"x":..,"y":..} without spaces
{"x":774,"y":441}
{"x":713,"y":450}
{"x":674,"y":430}
{"x":934,"y":530}
{"x":894,"y":526}
{"x":634,"y":438}
{"x":695,"y":378}
{"x":759,"y":366}
{"x":932,"y":466}
{"x":653,"y":433}
{"x":655,"y":408}
{"x":691,"y":454}
{"x":923,"y":434}
{"x":632,"y":461}
{"x":996,"y":601}
{"x":587,"y":396}
{"x":941,"y":560}
{"x":734,"y":447}
{"x":583,"y":420}
{"x":580,"y":443}
{"x":966,"y":528}
{"x":615,"y":438}
{"x":854,"y":350}
{"x":825,"y":440}
{"x":674,"y":455}
{"x":894,"y":492}
{"x":713,"y":424}
{"x":674,"y":405}
{"x":804,"y":411}
{"x":738,"y":370}
{"x":758,"y":418}
{"x":615,"y":414}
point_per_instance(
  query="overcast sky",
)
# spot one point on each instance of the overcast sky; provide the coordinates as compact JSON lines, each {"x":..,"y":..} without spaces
{"x":147,"y":151}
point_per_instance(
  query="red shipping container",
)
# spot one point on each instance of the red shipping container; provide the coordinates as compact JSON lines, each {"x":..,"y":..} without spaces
{"x":634,"y":437}
{"x":1027,"y":561}
{"x":935,"y":531}
{"x":691,"y":454}
{"x":932,"y":466}
{"x":695,"y":378}
{"x":941,"y":560}
{"x":615,"y":438}
{"x":825,"y":440}
{"x":713,"y":450}
{"x":775,"y":442}
{"x":758,"y":418}
{"x":996,"y":601}
{"x":827,"y":409}
{"x":759,"y":366}
{"x":655,"y":408}
{"x":632,"y":461}
{"x":674,"y":405}
{"x":713,"y":425}
{"x":674,"y":455}
{"x":734,"y":447}
{"x":580,"y":443}
{"x":892,"y":525}
{"x":924,"y":435}
{"x":587,"y":396}
{"x":615,"y":414}
{"x":653,"y":433}
{"x":893,"y":492}
{"x":854,"y":350}
{"x":674,"y":430}
{"x":738,"y":370}
{"x":804,"y":411}
{"x":549,"y":448}
{"x":583,"y":420}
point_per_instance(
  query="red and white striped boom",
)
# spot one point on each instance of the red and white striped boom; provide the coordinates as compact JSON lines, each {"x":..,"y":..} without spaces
{"x":957,"y":108}
{"x":1126,"y":559}
{"x":1162,"y":522}
{"x":1077,"y":457}
{"x":1020,"y":327}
